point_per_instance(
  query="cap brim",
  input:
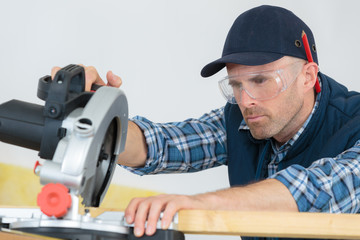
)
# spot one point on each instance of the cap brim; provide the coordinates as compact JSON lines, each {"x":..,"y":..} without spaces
{"x":247,"y":58}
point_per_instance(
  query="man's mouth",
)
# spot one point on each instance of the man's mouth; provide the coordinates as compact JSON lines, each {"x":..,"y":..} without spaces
{"x":254,"y":118}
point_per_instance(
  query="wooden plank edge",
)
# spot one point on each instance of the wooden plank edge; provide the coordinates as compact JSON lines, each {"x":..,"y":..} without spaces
{"x":270,"y":224}
{"x":18,"y":235}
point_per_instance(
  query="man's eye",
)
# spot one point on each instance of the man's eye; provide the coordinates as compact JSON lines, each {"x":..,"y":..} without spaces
{"x":235,"y":84}
{"x":259,"y":80}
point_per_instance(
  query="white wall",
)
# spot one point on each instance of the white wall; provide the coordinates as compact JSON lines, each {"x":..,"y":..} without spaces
{"x":159,"y":48}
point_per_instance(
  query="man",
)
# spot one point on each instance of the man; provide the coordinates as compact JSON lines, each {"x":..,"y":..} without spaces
{"x":287,"y":146}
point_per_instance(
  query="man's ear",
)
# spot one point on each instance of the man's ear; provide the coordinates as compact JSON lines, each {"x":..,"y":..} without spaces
{"x":311,"y":71}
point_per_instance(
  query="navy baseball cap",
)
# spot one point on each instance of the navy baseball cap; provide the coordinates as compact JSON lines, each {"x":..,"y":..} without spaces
{"x":262,"y":35}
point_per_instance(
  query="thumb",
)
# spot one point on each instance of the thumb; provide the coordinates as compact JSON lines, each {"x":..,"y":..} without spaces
{"x":113,"y":80}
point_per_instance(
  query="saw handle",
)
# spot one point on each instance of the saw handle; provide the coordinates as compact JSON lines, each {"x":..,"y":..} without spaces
{"x":95,"y":87}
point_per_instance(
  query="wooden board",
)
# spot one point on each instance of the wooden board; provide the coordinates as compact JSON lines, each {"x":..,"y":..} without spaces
{"x":260,"y":224}
{"x":270,"y":224}
{"x":16,"y":235}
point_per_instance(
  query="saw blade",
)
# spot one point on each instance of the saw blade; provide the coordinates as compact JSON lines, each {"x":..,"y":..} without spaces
{"x":105,"y":166}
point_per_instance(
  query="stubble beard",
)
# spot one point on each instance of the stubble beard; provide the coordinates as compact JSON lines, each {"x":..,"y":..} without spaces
{"x":278,"y":124}
{"x":259,"y":130}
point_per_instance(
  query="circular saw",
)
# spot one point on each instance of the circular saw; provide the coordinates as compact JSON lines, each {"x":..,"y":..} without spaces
{"x":80,"y":135}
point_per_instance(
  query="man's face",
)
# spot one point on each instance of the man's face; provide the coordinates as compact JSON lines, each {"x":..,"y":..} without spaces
{"x":279,"y":117}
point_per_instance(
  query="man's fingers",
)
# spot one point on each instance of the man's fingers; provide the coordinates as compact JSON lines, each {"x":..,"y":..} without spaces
{"x":113,"y":80}
{"x":54,"y":70}
{"x":154,"y":214}
{"x":91,"y":77}
{"x":171,"y":208}
{"x":140,"y":217}
{"x":148,"y":210}
{"x":131,"y":210}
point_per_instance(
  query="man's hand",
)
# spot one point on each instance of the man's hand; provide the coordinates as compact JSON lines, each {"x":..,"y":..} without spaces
{"x":148,"y":209}
{"x":267,"y":195}
{"x":92,"y":77}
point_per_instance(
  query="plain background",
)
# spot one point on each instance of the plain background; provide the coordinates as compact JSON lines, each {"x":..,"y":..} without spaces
{"x":158,"y":47}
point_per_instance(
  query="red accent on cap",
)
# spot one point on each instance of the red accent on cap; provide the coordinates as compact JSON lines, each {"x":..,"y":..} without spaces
{"x":54,"y":200}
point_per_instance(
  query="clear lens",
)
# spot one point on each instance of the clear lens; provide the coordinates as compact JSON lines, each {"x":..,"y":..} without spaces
{"x":227,"y":91}
{"x":261,"y":85}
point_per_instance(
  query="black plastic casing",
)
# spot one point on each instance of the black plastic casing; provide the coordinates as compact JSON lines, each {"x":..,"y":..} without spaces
{"x":39,"y":127}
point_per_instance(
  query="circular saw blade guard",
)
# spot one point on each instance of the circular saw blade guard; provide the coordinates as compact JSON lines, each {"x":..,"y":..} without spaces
{"x":85,"y":159}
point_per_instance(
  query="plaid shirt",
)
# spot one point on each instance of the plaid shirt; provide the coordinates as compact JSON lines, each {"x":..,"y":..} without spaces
{"x":328,"y":185}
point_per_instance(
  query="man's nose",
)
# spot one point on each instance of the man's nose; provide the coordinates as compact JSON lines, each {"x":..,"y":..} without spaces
{"x":245,"y":100}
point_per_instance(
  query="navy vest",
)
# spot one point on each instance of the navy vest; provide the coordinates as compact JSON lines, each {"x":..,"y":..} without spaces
{"x":334,"y":127}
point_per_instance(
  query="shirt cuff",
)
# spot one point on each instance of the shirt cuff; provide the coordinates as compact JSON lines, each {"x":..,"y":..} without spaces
{"x":153,"y":153}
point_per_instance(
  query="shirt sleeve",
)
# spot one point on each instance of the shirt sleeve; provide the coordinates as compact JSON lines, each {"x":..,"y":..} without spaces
{"x":328,"y":185}
{"x":188,"y":146}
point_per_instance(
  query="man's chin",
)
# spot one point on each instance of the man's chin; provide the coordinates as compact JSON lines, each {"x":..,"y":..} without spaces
{"x":260,"y":135}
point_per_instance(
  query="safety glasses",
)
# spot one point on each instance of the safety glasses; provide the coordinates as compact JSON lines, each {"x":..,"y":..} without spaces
{"x":260,"y":85}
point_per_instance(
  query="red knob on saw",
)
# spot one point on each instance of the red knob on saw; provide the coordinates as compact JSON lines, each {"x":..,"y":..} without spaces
{"x":54,"y":200}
